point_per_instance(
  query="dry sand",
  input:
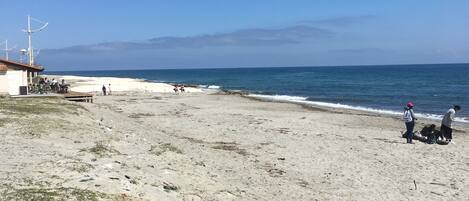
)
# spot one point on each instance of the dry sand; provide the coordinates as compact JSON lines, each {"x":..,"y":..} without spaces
{"x":205,"y":146}
{"x":95,"y":84}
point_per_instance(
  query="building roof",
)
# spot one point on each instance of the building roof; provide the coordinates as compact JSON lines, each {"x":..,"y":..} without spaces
{"x":21,"y":65}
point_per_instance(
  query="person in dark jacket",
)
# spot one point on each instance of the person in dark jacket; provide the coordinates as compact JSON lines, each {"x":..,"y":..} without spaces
{"x":104,"y":90}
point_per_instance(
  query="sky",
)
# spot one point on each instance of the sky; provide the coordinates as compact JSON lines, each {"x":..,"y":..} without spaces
{"x":155,"y":34}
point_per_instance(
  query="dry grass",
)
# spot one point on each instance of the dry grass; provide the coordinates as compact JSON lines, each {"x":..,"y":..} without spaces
{"x":140,"y":115}
{"x":81,"y":167}
{"x":37,"y":116}
{"x":158,"y":150}
{"x":49,"y":194}
{"x":38,"y":106}
{"x":231,"y":147}
{"x":101,"y":149}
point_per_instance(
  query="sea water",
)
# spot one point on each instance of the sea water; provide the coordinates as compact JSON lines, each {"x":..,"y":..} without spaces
{"x":381,"y":89}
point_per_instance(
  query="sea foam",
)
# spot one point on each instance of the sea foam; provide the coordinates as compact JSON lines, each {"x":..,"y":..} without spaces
{"x":303,"y":100}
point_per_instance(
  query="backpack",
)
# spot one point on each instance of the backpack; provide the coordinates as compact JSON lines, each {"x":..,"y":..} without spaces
{"x":407,"y":116}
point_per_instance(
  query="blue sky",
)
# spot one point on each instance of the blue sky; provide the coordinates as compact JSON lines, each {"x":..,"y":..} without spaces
{"x":91,"y":35}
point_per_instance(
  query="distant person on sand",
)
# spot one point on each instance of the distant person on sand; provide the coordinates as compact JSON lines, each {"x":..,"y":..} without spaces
{"x":446,"y":123}
{"x":63,"y":87}
{"x":109,"y":89}
{"x":409,"y":119}
{"x":104,"y":90}
{"x":176,"y":89}
{"x":182,"y":88}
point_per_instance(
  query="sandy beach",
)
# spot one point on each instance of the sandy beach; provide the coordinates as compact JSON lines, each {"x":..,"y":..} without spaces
{"x":145,"y":143}
{"x":94,"y":84}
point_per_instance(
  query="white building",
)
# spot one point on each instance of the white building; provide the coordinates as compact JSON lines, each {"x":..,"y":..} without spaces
{"x":14,"y":75}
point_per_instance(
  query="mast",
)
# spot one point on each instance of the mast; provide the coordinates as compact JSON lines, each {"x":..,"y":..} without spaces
{"x":30,"y":46}
{"x":30,"y":31}
{"x":6,"y":50}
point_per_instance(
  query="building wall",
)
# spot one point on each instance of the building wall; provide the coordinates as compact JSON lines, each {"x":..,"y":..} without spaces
{"x":11,"y":78}
{"x":25,"y":77}
{"x":15,"y":80}
{"x":3,"y":83}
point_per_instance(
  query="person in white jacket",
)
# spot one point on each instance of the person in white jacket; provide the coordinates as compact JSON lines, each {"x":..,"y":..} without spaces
{"x":447,"y":121}
{"x":409,"y":119}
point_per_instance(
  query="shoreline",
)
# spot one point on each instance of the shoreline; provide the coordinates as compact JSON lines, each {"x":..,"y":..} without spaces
{"x":354,"y":109}
{"x":167,"y":88}
{"x":422,"y":121}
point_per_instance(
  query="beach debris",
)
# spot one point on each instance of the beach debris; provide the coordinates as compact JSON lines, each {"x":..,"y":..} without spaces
{"x":440,"y":184}
{"x":274,"y":172}
{"x":281,"y":159}
{"x":99,"y":121}
{"x":302,"y":183}
{"x":437,"y":193}
{"x":169,"y":187}
{"x":114,"y":178}
{"x":86,"y":179}
{"x":200,"y":163}
{"x":132,"y":181}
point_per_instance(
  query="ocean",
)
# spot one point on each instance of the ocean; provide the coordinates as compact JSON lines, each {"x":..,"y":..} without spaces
{"x":382,"y":89}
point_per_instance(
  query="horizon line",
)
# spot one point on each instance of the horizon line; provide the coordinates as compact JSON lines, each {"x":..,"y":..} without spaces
{"x":305,"y":66}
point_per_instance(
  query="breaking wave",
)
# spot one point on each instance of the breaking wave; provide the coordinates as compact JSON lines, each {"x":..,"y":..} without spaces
{"x":303,"y":100}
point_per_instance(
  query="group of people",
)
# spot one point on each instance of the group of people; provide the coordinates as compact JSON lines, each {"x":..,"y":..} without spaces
{"x":52,"y":85}
{"x":106,"y":91}
{"x":429,"y":134}
{"x":179,"y":88}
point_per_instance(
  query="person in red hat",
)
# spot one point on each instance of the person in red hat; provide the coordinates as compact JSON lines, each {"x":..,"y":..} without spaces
{"x":409,"y":119}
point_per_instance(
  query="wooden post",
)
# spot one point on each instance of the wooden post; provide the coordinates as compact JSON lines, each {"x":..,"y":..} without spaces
{"x":30,"y":76}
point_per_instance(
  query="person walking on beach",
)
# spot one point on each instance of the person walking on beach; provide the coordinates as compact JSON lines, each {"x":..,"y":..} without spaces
{"x":104,"y":90}
{"x":446,"y":123}
{"x":109,"y":89}
{"x":409,"y":119}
